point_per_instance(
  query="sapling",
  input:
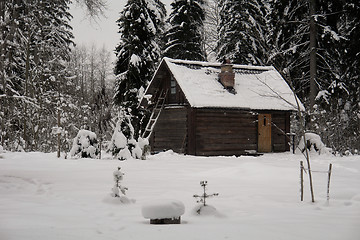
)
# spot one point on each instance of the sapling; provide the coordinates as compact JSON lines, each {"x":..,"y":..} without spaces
{"x":118,"y":188}
{"x":202,"y":198}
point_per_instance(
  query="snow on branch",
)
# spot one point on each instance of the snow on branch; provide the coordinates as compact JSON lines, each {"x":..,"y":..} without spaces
{"x":22,"y":98}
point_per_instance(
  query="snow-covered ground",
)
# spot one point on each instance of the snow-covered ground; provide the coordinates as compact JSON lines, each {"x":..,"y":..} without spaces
{"x":42,"y":197}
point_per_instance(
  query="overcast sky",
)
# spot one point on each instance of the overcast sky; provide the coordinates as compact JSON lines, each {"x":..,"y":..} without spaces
{"x":102,"y":32}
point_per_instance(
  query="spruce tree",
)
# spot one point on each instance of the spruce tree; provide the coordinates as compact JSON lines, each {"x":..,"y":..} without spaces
{"x":289,"y":41}
{"x":337,"y":109}
{"x":36,"y":41}
{"x":242,"y":31}
{"x":184,"y":38}
{"x":138,"y":52}
{"x":285,"y":43}
{"x":50,"y":41}
{"x":11,"y":89}
{"x":337,"y":25}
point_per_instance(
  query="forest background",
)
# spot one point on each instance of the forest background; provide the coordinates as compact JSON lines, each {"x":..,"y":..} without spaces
{"x":50,"y":87}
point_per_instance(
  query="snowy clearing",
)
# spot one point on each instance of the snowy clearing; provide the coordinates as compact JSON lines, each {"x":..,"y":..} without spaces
{"x":43,"y":197}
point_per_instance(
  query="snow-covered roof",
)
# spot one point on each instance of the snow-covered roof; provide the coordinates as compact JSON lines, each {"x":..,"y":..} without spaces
{"x":258,"y":88}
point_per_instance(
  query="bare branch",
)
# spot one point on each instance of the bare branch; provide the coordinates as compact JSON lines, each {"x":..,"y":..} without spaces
{"x":94,"y":8}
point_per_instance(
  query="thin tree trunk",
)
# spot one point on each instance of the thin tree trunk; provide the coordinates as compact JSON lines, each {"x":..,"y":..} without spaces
{"x":312,"y":81}
{"x":27,"y":76}
{"x":306,"y":149}
{"x":312,"y":54}
{"x":2,"y":75}
{"x":328,"y":185}
{"x":58,"y":118}
{"x":301,"y":181}
{"x":58,"y":133}
{"x":301,"y":119}
{"x":309,"y":169}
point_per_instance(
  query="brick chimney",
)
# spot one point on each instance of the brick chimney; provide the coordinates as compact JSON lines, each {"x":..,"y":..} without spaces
{"x":227,"y":76}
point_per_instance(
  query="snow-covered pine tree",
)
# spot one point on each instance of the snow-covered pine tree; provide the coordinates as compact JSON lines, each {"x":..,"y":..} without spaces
{"x":137,"y":54}
{"x":337,"y":112}
{"x":288,"y":39}
{"x":11,"y":89}
{"x":35,"y":77}
{"x":158,"y":15}
{"x":335,"y":116}
{"x":350,"y":29}
{"x":242,"y":31}
{"x":52,"y":43}
{"x":36,"y":38}
{"x":184,"y":38}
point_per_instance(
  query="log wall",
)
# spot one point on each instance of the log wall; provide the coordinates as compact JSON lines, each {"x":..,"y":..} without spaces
{"x":170,"y":131}
{"x":211,"y":132}
{"x":280,"y":125}
{"x":224,"y":132}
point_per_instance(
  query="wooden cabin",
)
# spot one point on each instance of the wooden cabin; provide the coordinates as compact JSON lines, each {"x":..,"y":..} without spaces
{"x":218,"y":109}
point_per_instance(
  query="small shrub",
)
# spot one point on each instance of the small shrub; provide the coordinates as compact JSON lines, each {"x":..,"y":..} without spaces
{"x":85,"y":145}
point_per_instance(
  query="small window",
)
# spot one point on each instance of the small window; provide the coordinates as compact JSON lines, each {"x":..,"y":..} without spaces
{"x":172,"y":86}
{"x":264,"y":121}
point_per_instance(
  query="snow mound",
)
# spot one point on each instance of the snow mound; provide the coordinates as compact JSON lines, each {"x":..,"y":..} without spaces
{"x":124,"y":154}
{"x":164,"y":208}
{"x":206,"y":210}
{"x":314,"y":144}
{"x":118,"y":200}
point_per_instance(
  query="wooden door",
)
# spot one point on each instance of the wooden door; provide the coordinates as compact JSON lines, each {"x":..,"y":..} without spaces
{"x":264,"y":133}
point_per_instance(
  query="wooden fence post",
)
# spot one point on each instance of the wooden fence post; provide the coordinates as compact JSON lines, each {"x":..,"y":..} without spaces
{"x":301,"y":180}
{"x":293,"y":143}
{"x":328,"y":185}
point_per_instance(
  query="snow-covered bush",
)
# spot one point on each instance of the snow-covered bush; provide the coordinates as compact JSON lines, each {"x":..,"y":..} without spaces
{"x":136,"y":151}
{"x":85,"y":145}
{"x":144,"y":146}
{"x":313,"y":144}
{"x":123,"y":144}
{"x":120,"y":144}
{"x":18,"y":145}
